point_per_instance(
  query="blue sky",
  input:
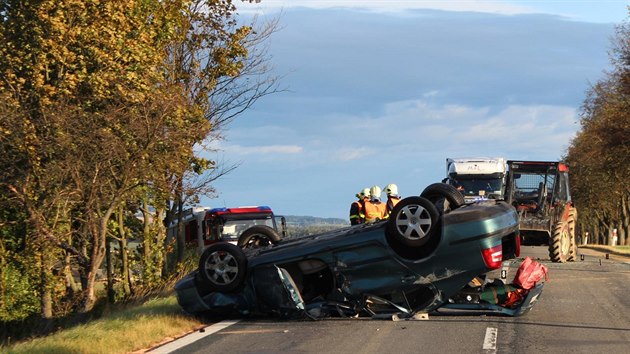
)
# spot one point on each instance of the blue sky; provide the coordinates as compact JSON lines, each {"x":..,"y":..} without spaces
{"x":382,"y":92}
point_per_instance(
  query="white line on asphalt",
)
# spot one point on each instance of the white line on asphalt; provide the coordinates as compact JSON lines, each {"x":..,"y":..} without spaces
{"x":192,"y":337}
{"x":490,"y":341}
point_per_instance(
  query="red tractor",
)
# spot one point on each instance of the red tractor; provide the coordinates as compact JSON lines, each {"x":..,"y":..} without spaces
{"x":539,"y":190}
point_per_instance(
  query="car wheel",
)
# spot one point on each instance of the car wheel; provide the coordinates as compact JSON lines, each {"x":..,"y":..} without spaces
{"x":413,"y":222}
{"x":222,"y":267}
{"x":445,"y":196}
{"x":560,"y":243}
{"x":258,"y":236}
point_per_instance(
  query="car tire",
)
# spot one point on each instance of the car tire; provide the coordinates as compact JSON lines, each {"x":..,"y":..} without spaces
{"x":413,"y":222}
{"x":445,"y":196}
{"x":258,"y":236}
{"x":560,"y":243}
{"x":222,"y":267}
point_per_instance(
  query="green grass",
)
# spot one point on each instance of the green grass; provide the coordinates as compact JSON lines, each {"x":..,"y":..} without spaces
{"x":620,"y":249}
{"x":123,"y":331}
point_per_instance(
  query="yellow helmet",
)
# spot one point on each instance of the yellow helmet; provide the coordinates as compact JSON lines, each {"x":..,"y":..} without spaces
{"x":364,"y":193}
{"x":391,"y":189}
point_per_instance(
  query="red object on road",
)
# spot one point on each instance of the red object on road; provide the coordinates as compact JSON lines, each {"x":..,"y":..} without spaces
{"x":529,"y":273}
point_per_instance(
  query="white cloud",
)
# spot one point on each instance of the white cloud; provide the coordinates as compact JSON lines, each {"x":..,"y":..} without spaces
{"x":408,"y":127}
{"x":263,"y":150}
{"x":405,"y":129}
{"x":353,"y":153}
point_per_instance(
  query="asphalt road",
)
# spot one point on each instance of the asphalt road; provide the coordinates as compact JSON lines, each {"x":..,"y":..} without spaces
{"x":584,"y":308}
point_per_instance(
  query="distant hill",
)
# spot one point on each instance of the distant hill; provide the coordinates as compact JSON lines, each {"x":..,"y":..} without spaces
{"x":314,"y":221}
{"x":310,"y":225}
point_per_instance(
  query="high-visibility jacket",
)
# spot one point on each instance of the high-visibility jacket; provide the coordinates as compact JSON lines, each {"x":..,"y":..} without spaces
{"x":356,"y":213}
{"x":374,"y":209}
{"x":391,"y":203}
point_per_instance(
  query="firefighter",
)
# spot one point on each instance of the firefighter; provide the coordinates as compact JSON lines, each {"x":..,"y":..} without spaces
{"x":392,"y":197}
{"x":356,"y":209}
{"x":374,"y":208}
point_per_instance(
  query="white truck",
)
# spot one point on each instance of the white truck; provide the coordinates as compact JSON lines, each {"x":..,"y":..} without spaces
{"x":477,"y":178}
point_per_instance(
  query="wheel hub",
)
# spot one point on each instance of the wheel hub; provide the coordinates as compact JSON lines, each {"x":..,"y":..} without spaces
{"x":221,"y":269}
{"x":411,"y":221}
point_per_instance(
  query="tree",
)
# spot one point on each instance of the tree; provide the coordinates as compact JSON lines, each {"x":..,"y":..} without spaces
{"x":223,"y":68}
{"x":600,"y":153}
{"x":107,"y":102}
{"x":82,"y":74}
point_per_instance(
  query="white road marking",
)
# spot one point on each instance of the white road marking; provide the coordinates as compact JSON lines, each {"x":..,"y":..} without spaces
{"x":192,"y":337}
{"x":490,"y":341}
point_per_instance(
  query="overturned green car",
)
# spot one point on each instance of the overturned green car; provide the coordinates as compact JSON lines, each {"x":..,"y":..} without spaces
{"x":419,"y":260}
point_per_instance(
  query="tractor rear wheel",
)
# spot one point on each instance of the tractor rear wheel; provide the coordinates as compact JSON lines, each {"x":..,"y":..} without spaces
{"x":572,"y":220}
{"x":560,"y":243}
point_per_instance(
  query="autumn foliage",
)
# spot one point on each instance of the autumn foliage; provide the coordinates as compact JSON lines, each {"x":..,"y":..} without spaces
{"x":600,"y":153}
{"x":103,"y":104}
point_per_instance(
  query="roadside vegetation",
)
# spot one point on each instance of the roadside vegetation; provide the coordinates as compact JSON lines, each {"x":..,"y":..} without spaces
{"x":106,"y":109}
{"x":622,"y":250}
{"x":132,"y":325}
{"x":600,"y":153}
{"x":125,"y":330}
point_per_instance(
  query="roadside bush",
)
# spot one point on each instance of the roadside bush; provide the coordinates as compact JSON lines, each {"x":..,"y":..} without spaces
{"x":17,"y":298}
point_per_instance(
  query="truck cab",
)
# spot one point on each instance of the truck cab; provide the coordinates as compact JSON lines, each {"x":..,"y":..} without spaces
{"x":477,"y":178}
{"x":204,"y":226}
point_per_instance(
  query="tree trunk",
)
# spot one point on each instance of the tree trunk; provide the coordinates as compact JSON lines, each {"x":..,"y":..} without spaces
{"x":181,"y":234}
{"x":71,"y":283}
{"x":46,"y":293}
{"x":595,"y":235}
{"x":111,"y":294}
{"x":124,"y":256}
{"x":168,"y":240}
{"x":83,"y":271}
{"x":89,"y":298}
{"x":99,"y":237}
{"x":126,"y":274}
{"x":146,"y":237}
{"x":625,"y":220}
{"x":159,"y":251}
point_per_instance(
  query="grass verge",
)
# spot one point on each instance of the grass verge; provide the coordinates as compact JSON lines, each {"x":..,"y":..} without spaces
{"x":123,"y":331}
{"x":623,"y":250}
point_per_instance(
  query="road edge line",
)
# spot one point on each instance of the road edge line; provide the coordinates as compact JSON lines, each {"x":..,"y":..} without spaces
{"x":192,"y":337}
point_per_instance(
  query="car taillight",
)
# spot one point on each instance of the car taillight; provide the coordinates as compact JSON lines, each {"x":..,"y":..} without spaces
{"x":493,"y":256}
{"x":517,"y":251}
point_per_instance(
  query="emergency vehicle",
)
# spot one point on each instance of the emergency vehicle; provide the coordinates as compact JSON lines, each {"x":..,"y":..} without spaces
{"x":204,"y":226}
